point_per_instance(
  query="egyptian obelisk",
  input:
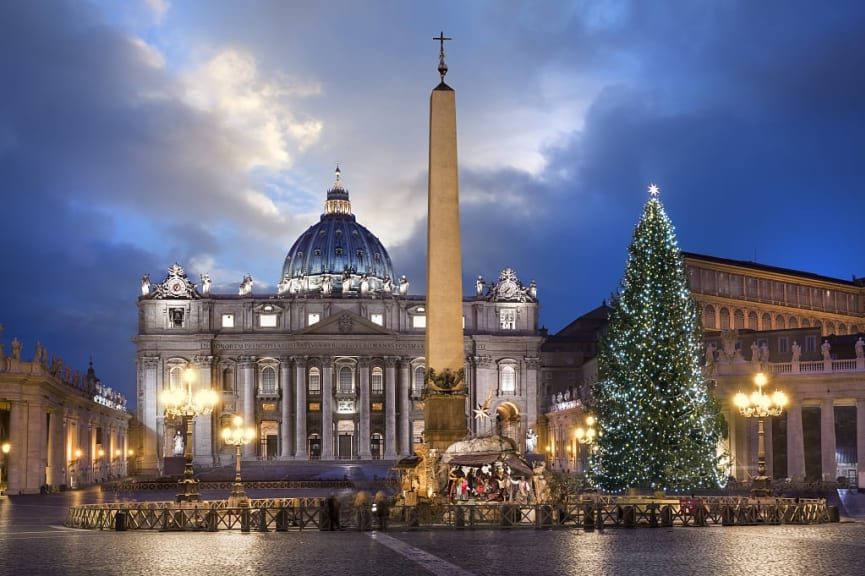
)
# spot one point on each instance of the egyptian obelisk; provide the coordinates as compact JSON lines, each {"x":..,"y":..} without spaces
{"x":445,"y":402}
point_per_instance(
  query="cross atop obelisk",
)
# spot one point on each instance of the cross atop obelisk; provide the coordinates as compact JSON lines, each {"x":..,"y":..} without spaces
{"x":443,"y":68}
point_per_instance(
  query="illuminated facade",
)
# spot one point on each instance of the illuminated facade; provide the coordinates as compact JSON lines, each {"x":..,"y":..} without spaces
{"x":58,"y":429}
{"x":331,"y":365}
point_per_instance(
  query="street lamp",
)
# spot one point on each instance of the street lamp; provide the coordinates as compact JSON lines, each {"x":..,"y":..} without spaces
{"x":237,"y":436}
{"x":4,"y":475}
{"x":760,"y":405}
{"x":180,"y":402}
{"x":585,"y":436}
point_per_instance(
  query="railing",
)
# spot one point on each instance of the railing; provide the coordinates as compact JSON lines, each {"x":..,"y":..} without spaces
{"x":591,"y":512}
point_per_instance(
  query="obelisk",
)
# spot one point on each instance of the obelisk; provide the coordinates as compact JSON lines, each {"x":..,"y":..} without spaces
{"x":445,"y":398}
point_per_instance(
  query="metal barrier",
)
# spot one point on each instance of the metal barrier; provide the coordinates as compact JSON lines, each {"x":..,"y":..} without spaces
{"x":595,"y":512}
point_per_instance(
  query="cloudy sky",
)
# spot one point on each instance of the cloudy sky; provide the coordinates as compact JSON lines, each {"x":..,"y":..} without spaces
{"x":138,"y":134}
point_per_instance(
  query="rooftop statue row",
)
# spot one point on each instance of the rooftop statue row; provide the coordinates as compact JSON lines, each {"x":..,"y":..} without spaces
{"x":89,"y":385}
{"x":178,"y":286}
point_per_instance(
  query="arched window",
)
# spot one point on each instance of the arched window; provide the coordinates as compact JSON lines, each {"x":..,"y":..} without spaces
{"x":830,"y":328}
{"x":228,"y":380}
{"x":346,"y":381}
{"x":509,"y":380}
{"x":314,"y":387}
{"x":842,"y":329}
{"x":780,"y":324}
{"x":725,"y":319}
{"x":806,"y":323}
{"x":417,"y":384}
{"x":739,"y":320}
{"x":794,"y":323}
{"x":752,"y":320}
{"x":175,"y":377}
{"x":767,"y":322}
{"x":709,"y":317}
{"x":267,"y":385}
{"x":376,"y":381}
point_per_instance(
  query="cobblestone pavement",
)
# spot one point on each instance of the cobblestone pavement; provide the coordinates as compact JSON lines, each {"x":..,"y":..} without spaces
{"x":33,"y":541}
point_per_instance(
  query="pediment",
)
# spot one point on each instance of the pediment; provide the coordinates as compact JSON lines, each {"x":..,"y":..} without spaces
{"x":346,"y":323}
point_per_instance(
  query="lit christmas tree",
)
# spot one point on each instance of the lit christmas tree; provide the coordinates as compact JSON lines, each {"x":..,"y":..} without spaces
{"x":660,"y":425}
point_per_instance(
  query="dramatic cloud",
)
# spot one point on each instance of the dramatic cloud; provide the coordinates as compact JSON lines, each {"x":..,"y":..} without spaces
{"x":135,"y":135}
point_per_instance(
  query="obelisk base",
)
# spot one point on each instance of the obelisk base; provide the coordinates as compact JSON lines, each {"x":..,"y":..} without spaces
{"x":444,"y":420}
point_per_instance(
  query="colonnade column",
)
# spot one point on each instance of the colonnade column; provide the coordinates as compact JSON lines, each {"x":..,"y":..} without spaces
{"x":203,"y":436}
{"x":327,"y":408}
{"x":363,"y":442}
{"x":795,"y":442}
{"x":390,"y":386}
{"x":827,"y":441}
{"x":285,"y":443}
{"x":246,"y":365}
{"x":300,"y":452}
{"x":405,"y":448}
{"x":860,"y":443}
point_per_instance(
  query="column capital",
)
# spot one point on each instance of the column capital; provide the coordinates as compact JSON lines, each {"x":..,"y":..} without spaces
{"x":327,"y":361}
{"x":203,"y":361}
{"x":363,"y":362}
{"x":300,"y":361}
{"x":391,"y":361}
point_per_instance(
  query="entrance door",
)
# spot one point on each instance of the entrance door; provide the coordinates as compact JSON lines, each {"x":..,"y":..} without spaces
{"x":344,"y":447}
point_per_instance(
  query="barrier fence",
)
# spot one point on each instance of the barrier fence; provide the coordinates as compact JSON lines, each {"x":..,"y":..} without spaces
{"x":589,"y":513}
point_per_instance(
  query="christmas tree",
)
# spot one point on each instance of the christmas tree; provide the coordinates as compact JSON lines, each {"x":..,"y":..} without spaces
{"x":659,"y":424}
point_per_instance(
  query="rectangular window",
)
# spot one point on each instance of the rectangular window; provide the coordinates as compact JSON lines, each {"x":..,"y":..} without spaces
{"x":810,"y":343}
{"x":267,"y":320}
{"x":783,"y":345}
{"x":377,"y":383}
{"x":313,"y":318}
{"x":377,"y":319}
{"x":508,"y":319}
{"x":228,"y":320}
{"x":175,"y":317}
{"x":314,"y":384}
{"x":418,"y":321}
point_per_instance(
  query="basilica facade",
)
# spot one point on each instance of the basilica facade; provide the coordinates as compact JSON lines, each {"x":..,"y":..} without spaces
{"x":331,"y":365}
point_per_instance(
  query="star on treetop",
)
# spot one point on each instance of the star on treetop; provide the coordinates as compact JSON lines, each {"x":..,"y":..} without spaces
{"x":654,"y":190}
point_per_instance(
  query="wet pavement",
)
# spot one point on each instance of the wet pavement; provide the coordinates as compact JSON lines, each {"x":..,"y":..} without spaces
{"x":34,"y":541}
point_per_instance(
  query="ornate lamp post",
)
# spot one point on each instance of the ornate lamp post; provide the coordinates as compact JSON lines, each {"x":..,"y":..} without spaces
{"x":760,"y":406}
{"x":180,"y":402}
{"x":237,"y":436}
{"x":585,"y":436}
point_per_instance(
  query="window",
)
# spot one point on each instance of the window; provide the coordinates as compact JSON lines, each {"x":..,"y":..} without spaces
{"x":509,"y":380}
{"x":417,"y":431}
{"x":417,"y":384}
{"x":508,"y":319}
{"x":346,"y":381}
{"x":377,"y":381}
{"x":228,"y":320}
{"x":810,"y":343}
{"x":314,"y":387}
{"x":709,"y":317}
{"x":418,"y":321}
{"x":267,"y":320}
{"x":312,"y":318}
{"x":725,"y":319}
{"x":315,"y":406}
{"x":377,"y":406}
{"x":268,"y":381}
{"x":783,"y":345}
{"x":175,"y":317}
{"x":377,"y":318}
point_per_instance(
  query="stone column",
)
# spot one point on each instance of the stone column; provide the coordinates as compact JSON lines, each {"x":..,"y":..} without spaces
{"x":795,"y":441}
{"x":203,"y":436}
{"x":300,"y":441}
{"x":363,"y":442}
{"x":327,"y":408}
{"x":390,"y":386}
{"x":405,"y":447}
{"x":860,"y":441}
{"x":827,"y":441}
{"x":149,"y":383}
{"x":246,"y":366}
{"x":286,"y":446}
{"x":484,"y":384}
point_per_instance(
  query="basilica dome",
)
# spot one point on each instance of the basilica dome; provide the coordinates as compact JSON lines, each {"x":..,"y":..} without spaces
{"x":337,"y":255}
